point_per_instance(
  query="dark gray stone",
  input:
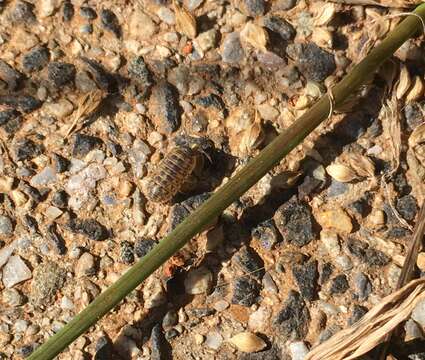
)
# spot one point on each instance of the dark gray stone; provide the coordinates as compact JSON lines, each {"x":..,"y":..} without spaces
{"x":88,"y":12}
{"x":280,"y":26}
{"x":267,"y":234}
{"x":61,"y":73}
{"x":143,"y":246}
{"x":339,"y":285}
{"x":295,"y":222}
{"x":9,"y":75}
{"x":90,"y":228}
{"x":60,"y":199}
{"x":110,"y":22}
{"x":306,"y":276}
{"x":255,"y":7}
{"x":357,"y":314}
{"x":367,"y":254}
{"x":250,"y":262}
{"x":26,"y":149}
{"x":126,"y":252}
{"x":83,"y":144}
{"x":68,"y":11}
{"x":56,"y":239}
{"x":165,"y":107}
{"x":407,"y":207}
{"x":159,"y":344}
{"x":362,"y":285}
{"x":313,"y":62}
{"x":293,"y":320}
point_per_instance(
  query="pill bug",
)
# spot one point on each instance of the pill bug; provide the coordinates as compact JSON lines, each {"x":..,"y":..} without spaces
{"x":172,"y":172}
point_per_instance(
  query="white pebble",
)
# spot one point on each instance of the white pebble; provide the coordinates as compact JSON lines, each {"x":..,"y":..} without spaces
{"x":15,"y":271}
{"x":298,"y":350}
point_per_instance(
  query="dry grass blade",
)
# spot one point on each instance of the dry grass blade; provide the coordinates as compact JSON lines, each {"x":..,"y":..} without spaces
{"x":373,"y":328}
{"x":408,"y":267}
{"x":86,"y":107}
{"x":185,"y":21}
{"x":384,"y":3}
{"x":414,"y":247}
{"x":390,"y":116}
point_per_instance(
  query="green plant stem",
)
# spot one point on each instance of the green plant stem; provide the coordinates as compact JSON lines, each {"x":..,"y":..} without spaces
{"x":230,"y":192}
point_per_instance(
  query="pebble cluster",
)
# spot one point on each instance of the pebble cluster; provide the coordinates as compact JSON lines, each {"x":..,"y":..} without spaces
{"x":94,"y":94}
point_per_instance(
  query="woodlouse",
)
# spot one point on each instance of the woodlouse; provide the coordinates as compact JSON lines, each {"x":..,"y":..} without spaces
{"x":172,"y":172}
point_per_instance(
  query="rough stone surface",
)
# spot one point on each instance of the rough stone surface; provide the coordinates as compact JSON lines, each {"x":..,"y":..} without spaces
{"x":15,"y":271}
{"x":295,"y":222}
{"x":245,"y":291}
{"x":48,"y":279}
{"x":293,"y":320}
{"x":306,"y":276}
{"x":165,"y":107}
{"x":314,"y":63}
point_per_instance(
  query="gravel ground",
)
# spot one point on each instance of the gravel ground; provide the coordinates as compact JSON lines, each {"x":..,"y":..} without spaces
{"x":94,"y":94}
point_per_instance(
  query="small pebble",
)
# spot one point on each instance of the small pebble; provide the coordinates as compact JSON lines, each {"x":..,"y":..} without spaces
{"x":13,"y":297}
{"x":314,"y":63}
{"x":158,"y":343}
{"x":15,"y":271}
{"x":26,"y":149}
{"x":127,"y":252}
{"x":250,"y":262}
{"x":306,"y":276}
{"x":6,"y":226}
{"x":91,"y":228}
{"x":49,"y":278}
{"x":357,"y":314}
{"x":293,"y":320}
{"x":143,"y":246}
{"x":68,"y":11}
{"x":367,"y":254}
{"x":335,"y":219}
{"x":198,"y":281}
{"x":88,"y":13}
{"x":86,"y":265}
{"x":232,"y":49}
{"x":245,"y":291}
{"x":255,"y":7}
{"x":299,"y":350}
{"x":362,"y":285}
{"x":407,"y":207}
{"x":213,"y":340}
{"x":280,"y":26}
{"x":36,"y":59}
{"x":60,"y":199}
{"x":83,"y":144}
{"x":284,"y":4}
{"x":45,"y":177}
{"x":110,"y":22}
{"x":295,"y":222}
{"x":170,"y":319}
{"x":339,"y":285}
{"x":164,"y":106}
{"x":60,"y":73}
